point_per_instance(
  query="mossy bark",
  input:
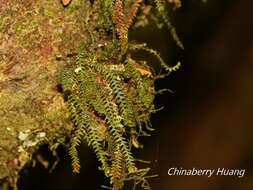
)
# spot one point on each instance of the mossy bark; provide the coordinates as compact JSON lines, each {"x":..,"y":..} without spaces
{"x":35,"y":38}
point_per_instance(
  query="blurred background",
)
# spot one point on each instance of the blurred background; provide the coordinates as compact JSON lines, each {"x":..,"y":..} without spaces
{"x":206,"y":123}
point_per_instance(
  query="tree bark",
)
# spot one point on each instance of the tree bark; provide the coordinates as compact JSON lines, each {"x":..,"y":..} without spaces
{"x":35,"y":38}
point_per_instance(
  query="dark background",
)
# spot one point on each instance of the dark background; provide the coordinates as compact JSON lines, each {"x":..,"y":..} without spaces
{"x":207,"y":123}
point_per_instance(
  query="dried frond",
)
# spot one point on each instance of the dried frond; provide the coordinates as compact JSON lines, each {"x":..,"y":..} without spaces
{"x":119,"y":20}
{"x":132,"y":13}
{"x":123,"y":22}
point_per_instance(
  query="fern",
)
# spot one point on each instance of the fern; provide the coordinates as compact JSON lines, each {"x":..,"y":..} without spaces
{"x":125,"y":107}
{"x":106,"y":14}
{"x":123,"y":21}
{"x":118,"y":170}
{"x":173,"y":31}
{"x":142,"y":85}
{"x":115,"y":127}
{"x":133,"y":12}
{"x":118,"y":18}
{"x":161,"y":8}
{"x":110,"y":96}
{"x":85,"y":130}
{"x":77,"y":136}
{"x":156,"y":54}
{"x":98,"y":93}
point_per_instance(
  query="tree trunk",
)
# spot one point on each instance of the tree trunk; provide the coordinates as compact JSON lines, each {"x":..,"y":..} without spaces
{"x":35,"y":38}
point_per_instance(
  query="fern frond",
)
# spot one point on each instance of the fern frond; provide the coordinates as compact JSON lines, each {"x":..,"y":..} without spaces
{"x":173,"y":31}
{"x":161,"y":7}
{"x":77,"y":136}
{"x":118,"y":170}
{"x":125,"y":107}
{"x":123,"y":22}
{"x":132,"y":13}
{"x":116,"y":128}
{"x":156,"y":54}
{"x":120,"y":24}
{"x":75,"y":141}
{"x":94,"y":142}
{"x":109,"y":94}
{"x":142,"y":85}
{"x":80,"y":55}
{"x":107,"y":7}
{"x":66,"y":79}
{"x":75,"y":159}
{"x":86,"y":128}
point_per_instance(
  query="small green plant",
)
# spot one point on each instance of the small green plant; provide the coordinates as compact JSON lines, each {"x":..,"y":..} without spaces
{"x":110,"y":94}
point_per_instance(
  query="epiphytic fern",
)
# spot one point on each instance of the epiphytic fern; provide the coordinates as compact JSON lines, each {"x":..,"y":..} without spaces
{"x":141,"y":83}
{"x":106,"y":14}
{"x":124,"y":21}
{"x":118,"y":18}
{"x":156,"y":54}
{"x":98,"y":94}
{"x":125,"y":106}
{"x":110,"y":96}
{"x":118,"y":170}
{"x":77,"y":136}
{"x":116,"y":129}
{"x":132,"y":13}
{"x":173,"y":31}
{"x":161,"y":7}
